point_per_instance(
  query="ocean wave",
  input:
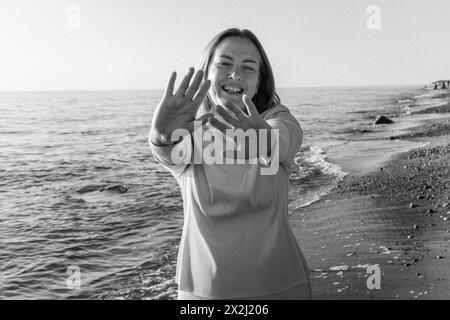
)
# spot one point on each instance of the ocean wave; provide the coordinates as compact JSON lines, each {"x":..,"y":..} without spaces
{"x":312,"y":177}
{"x":427,"y":95}
{"x":311,"y":158}
{"x":353,"y":130}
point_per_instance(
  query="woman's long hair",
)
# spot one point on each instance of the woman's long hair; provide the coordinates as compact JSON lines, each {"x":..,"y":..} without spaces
{"x":266,"y":97}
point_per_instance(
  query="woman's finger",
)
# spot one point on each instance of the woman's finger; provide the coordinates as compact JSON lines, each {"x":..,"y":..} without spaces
{"x":236,"y":111}
{"x":194,"y":85}
{"x":251,"y":108}
{"x":227,"y":116}
{"x":170,"y":84}
{"x":185,"y":83}
{"x":201,"y":94}
{"x":204,"y":118}
{"x":218,"y":125}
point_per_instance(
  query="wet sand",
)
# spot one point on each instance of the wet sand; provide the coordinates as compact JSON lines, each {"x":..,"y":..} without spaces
{"x":394,"y":213}
{"x":438,"y":109}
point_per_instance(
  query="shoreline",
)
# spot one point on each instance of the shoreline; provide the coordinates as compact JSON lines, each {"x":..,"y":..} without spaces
{"x":391,"y":211}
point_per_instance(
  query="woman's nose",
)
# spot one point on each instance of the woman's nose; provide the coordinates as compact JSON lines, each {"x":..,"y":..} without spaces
{"x":234,"y":75}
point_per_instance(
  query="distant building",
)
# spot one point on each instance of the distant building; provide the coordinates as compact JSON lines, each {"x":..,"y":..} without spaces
{"x":441,"y":84}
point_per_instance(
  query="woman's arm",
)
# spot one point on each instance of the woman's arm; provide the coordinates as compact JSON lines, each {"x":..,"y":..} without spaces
{"x":164,"y":155}
{"x":290,"y":133}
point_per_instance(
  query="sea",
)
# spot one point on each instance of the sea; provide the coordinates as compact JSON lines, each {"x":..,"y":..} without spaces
{"x":87,"y":213}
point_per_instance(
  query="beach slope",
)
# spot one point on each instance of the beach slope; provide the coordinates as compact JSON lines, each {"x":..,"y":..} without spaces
{"x":394,"y":216}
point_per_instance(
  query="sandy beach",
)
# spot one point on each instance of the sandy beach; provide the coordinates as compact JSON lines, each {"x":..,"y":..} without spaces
{"x":391,"y":211}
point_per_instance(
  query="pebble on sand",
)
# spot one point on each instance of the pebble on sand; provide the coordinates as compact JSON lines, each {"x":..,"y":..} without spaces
{"x":342,"y":289}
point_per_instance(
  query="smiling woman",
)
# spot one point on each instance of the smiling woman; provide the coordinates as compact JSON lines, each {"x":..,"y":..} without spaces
{"x":237,"y":242}
{"x":234,"y":59}
{"x":234,"y":55}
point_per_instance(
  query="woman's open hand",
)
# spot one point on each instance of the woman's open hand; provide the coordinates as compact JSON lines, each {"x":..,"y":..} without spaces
{"x":178,"y":111}
{"x":239,"y":120}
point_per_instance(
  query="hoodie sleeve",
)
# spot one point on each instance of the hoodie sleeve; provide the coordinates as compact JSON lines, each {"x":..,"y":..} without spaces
{"x":290,"y":133}
{"x":173,"y":157}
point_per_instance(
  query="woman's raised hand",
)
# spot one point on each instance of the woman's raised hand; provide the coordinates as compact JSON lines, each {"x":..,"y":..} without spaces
{"x":178,"y":110}
{"x":234,"y":116}
{"x":238,"y":119}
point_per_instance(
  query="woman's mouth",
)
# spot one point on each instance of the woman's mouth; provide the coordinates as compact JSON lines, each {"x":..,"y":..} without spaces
{"x":232,"y":90}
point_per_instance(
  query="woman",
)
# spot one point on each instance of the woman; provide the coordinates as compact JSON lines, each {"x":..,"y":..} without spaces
{"x":237,"y":242}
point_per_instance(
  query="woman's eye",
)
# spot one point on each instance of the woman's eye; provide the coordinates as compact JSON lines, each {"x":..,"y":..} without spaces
{"x":249,"y":68}
{"x":221,"y":63}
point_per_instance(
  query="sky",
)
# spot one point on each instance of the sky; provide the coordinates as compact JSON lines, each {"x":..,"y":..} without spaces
{"x":135,"y":44}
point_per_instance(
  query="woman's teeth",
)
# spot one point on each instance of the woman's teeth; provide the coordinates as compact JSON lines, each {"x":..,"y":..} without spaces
{"x":232,"y":90}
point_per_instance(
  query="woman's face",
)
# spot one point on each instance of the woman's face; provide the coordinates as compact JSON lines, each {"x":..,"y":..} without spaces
{"x":234,"y":71}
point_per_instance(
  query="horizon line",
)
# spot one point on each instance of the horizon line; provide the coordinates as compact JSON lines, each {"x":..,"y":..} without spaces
{"x":283,"y":87}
